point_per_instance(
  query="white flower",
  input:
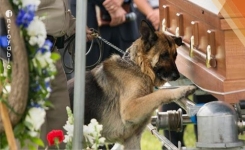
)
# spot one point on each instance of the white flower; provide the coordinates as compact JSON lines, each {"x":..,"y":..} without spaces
{"x":86,"y":134}
{"x":16,"y":2}
{"x":94,"y":122}
{"x":102,"y":140}
{"x":33,"y":40}
{"x":69,"y":128}
{"x":86,"y":131}
{"x":91,"y":129}
{"x":91,"y":132}
{"x":33,"y":133}
{"x":99,"y":127}
{"x":67,"y":139}
{"x":37,"y":32}
{"x":94,"y":128}
{"x":70,"y":115}
{"x":7,"y":89}
{"x":36,"y":116}
{"x":41,"y":39}
{"x":39,"y":58}
{"x":30,"y":2}
{"x":43,"y":59}
{"x":94,"y":146}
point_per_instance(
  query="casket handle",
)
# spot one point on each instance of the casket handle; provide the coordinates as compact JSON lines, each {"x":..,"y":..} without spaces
{"x":211,"y":41}
{"x":164,"y":27}
{"x":195,"y":33}
{"x":192,"y":42}
{"x":165,"y":21}
{"x":194,"y":38}
{"x":210,"y":60}
{"x":180,"y":25}
{"x":208,"y":56}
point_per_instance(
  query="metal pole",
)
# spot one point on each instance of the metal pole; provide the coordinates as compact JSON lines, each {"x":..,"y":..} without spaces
{"x":79,"y":84}
{"x":169,"y":145}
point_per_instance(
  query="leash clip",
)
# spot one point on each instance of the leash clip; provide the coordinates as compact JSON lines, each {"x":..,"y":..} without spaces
{"x":94,"y":33}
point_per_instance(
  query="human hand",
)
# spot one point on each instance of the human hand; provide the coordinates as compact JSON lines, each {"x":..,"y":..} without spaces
{"x":112,"y":5}
{"x":154,"y":17}
{"x":89,"y":34}
{"x":117,"y":13}
{"x":117,"y":17}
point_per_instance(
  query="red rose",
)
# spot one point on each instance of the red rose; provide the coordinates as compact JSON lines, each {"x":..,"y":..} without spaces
{"x":55,"y":137}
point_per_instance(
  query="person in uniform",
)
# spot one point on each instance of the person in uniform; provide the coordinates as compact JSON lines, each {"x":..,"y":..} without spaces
{"x":59,"y":22}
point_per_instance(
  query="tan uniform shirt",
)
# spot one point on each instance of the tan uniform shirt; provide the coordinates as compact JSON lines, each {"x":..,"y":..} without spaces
{"x":58,"y":18}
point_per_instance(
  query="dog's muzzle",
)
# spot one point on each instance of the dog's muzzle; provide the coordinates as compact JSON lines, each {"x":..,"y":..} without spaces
{"x":167,"y":76}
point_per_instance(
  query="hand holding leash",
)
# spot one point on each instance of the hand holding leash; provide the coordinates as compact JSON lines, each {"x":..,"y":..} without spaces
{"x":89,"y":34}
{"x":95,"y":34}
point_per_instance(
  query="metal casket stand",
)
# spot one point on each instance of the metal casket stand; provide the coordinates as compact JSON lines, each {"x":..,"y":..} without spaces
{"x":217,"y":127}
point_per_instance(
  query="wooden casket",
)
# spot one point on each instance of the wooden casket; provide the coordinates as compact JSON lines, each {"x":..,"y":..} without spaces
{"x":213,"y":54}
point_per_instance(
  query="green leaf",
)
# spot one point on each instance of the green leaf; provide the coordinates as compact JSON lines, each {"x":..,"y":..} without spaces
{"x":9,"y":71}
{"x":49,"y":104}
{"x":37,"y":141}
{"x":28,"y":124}
{"x":19,"y":129}
{"x":55,"y":56}
{"x":32,"y":147}
{"x":1,"y":66}
{"x":39,"y":68}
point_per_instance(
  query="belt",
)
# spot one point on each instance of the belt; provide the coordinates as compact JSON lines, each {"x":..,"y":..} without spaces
{"x":58,"y":42}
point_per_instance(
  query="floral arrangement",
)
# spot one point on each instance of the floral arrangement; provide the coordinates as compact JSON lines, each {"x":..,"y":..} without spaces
{"x":42,"y":70}
{"x":91,"y":134}
{"x":69,"y":127}
{"x":55,"y":137}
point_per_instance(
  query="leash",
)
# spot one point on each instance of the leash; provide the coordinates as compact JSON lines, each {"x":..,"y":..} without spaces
{"x":96,"y":35}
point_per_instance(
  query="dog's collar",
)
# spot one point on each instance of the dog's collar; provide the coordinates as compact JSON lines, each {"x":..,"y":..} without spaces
{"x":126,"y":55}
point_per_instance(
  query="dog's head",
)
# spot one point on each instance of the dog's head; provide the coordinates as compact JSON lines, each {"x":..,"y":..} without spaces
{"x":155,"y":53}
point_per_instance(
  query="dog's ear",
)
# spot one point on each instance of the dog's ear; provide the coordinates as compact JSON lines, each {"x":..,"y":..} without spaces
{"x":148,"y":34}
{"x":177,"y":40}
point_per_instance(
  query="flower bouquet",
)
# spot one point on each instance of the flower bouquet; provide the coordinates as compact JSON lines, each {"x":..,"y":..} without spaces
{"x":91,"y":134}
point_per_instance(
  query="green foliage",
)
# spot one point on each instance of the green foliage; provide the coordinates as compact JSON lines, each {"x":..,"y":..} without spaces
{"x":55,"y":56}
{"x":150,"y":142}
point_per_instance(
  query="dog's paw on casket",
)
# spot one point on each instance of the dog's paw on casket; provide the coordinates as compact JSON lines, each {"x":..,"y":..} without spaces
{"x":184,"y":91}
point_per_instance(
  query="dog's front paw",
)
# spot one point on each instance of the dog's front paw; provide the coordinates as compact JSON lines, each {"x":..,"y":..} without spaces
{"x":184,"y":91}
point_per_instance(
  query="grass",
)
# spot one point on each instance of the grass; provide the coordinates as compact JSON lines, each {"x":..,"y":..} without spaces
{"x":150,"y":142}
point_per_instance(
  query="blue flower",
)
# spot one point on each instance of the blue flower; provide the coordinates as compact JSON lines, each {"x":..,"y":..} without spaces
{"x":25,"y":16}
{"x":3,"y":41}
{"x":48,"y":43}
{"x":46,"y":47}
{"x":34,"y":104}
{"x":47,"y":85}
{"x":42,"y":50}
{"x":36,"y":86}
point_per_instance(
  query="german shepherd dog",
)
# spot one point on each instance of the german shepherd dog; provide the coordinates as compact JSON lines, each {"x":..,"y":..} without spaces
{"x":119,"y":91}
